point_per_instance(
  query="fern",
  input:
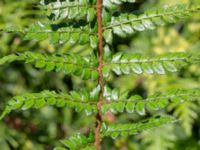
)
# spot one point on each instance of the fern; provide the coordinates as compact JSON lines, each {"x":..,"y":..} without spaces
{"x":131,"y":129}
{"x":127,"y":24}
{"x":127,"y":63}
{"x":70,"y":9}
{"x":119,"y":102}
{"x":187,"y":115}
{"x":59,"y":33}
{"x":159,"y":138}
{"x":93,"y":22}
{"x":78,"y":100}
{"x":112,"y":4}
{"x":78,"y":142}
{"x":69,"y":64}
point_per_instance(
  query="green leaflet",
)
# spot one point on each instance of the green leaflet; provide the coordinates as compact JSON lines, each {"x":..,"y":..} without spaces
{"x":72,"y":64}
{"x":119,"y":102}
{"x":108,"y":36}
{"x":127,"y":24}
{"x":78,"y":100}
{"x":115,"y":130}
{"x":78,"y":142}
{"x":77,"y":9}
{"x":125,"y":63}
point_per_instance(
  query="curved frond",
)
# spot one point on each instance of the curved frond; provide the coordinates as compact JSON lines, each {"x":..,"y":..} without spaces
{"x":72,"y":64}
{"x":59,"y":33}
{"x":76,"y":9}
{"x":78,"y":142}
{"x":116,"y":130}
{"x":187,"y":113}
{"x":125,"y":63}
{"x":161,"y":138}
{"x":119,"y":102}
{"x":127,"y":24}
{"x":77,"y":100}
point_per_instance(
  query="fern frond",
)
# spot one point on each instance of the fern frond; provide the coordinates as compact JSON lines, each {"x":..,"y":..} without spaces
{"x":76,"y":9}
{"x":78,"y":142}
{"x":116,"y":130}
{"x":126,"y":24}
{"x":187,"y":113}
{"x":112,"y":4}
{"x":116,"y":102}
{"x":124,"y":63}
{"x":69,"y":64}
{"x":59,"y":33}
{"x":162,"y":138}
{"x":77,"y":100}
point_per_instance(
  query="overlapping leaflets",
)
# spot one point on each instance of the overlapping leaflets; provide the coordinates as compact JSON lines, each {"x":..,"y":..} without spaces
{"x":126,"y":63}
{"x":127,"y":24}
{"x":59,"y":33}
{"x":113,"y":4}
{"x":120,"y":102}
{"x":78,"y":142}
{"x":115,"y":130}
{"x":71,"y":64}
{"x":76,"y":9}
{"x":62,"y":33}
{"x":80,"y":101}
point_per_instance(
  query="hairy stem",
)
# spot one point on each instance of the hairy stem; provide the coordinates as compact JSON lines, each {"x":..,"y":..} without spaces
{"x":100,"y":81}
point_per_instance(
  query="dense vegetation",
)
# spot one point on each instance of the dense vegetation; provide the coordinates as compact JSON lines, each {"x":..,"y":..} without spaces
{"x":93,"y":71}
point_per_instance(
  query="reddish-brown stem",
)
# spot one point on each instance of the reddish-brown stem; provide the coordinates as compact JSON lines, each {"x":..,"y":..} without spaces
{"x":100,"y":81}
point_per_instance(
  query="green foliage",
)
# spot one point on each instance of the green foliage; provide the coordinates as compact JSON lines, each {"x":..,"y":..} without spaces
{"x":77,"y":22}
{"x":69,"y":64}
{"x":131,"y":129}
{"x":78,"y":142}
{"x":127,"y":24}
{"x":187,"y":114}
{"x":78,"y":9}
{"x":119,"y":102}
{"x":112,"y":4}
{"x":58,"y":33}
{"x":127,"y":63}
{"x":78,"y":100}
{"x":158,"y":138}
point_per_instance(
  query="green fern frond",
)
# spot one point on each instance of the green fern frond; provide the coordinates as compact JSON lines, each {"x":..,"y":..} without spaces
{"x":116,"y":102}
{"x":71,"y":64}
{"x":187,"y":113}
{"x":162,"y":138}
{"x":76,"y":9}
{"x":78,"y":142}
{"x":126,"y":24}
{"x":116,"y":130}
{"x":59,"y":33}
{"x":77,"y":100}
{"x":124,"y":63}
{"x":112,"y":4}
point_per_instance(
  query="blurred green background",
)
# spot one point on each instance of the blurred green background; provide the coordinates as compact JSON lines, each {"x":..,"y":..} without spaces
{"x":42,"y":129}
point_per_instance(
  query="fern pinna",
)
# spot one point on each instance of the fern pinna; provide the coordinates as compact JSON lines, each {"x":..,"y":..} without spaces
{"x":95,"y":22}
